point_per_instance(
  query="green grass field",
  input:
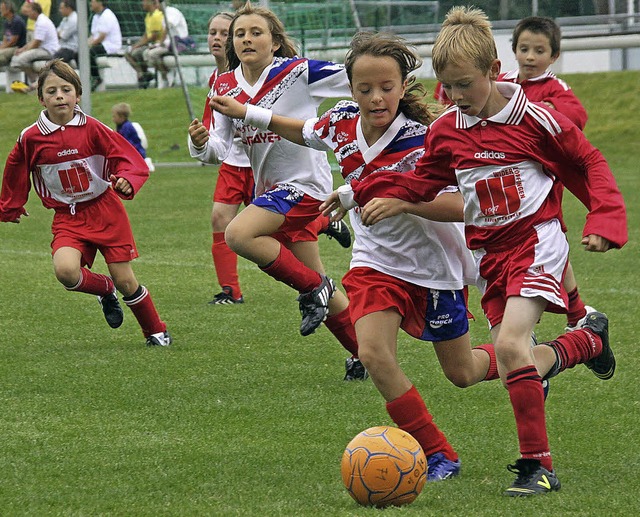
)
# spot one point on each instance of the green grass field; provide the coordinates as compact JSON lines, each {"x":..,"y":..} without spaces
{"x":242,"y":416}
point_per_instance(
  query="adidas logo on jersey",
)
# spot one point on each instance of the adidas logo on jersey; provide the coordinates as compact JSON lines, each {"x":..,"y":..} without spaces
{"x":67,"y":152}
{"x":490,"y":154}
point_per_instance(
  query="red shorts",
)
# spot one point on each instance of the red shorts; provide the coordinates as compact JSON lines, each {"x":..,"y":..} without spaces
{"x":371,"y":291}
{"x":234,"y":185}
{"x":533,"y":268}
{"x":101,"y":224}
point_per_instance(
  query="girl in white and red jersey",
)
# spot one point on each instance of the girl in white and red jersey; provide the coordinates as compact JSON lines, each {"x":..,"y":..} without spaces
{"x":406,"y":271}
{"x":234,"y":185}
{"x":79,"y":167}
{"x":507,"y":155}
{"x":536,"y":45}
{"x":274,"y":231}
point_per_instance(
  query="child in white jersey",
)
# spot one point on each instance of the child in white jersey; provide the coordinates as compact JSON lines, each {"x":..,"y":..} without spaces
{"x":80,"y":169}
{"x":274,"y":231}
{"x":509,"y":156}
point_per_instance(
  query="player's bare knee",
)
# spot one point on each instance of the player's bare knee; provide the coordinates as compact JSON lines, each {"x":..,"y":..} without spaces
{"x":460,"y":379}
{"x":67,"y":274}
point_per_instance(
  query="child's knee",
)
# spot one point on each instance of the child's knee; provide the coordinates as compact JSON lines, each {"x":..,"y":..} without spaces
{"x":67,"y":274}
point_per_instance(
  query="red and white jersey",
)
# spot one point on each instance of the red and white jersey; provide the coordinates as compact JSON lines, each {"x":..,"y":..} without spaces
{"x":293,"y":87}
{"x":509,"y":168}
{"x":549,"y":88}
{"x":408,"y":247}
{"x":237,"y":155}
{"x":68,"y":164}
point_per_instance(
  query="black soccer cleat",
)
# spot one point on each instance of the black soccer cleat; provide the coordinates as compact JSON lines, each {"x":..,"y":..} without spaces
{"x":532,"y":479}
{"x":339,"y":231}
{"x":355,"y":370}
{"x":112,"y":310}
{"x":314,"y":305}
{"x":159,"y":339}
{"x":603,"y":366}
{"x":226,"y":297}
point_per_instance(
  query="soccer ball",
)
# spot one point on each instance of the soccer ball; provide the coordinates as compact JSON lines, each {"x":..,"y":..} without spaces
{"x":384,"y":466}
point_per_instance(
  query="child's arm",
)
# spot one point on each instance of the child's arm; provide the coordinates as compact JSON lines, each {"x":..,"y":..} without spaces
{"x":15,"y":186}
{"x":289,"y":128}
{"x":561,"y":98}
{"x":447,"y":207}
{"x":212,"y":144}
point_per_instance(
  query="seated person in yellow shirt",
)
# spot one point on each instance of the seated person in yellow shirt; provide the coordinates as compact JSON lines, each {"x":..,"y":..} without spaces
{"x":138,"y":54}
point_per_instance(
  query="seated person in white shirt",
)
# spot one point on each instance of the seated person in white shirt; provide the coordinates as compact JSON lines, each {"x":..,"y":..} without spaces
{"x":42,"y":47}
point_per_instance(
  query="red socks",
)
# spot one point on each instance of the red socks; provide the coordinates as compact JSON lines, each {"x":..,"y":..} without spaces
{"x":145,"y":311}
{"x":576,"y":347}
{"x":289,"y":270}
{"x":575,"y":308}
{"x":93,"y":283}
{"x":492,"y":372}
{"x":341,"y":327}
{"x":409,"y":412}
{"x":225,"y":262}
{"x":527,"y":399}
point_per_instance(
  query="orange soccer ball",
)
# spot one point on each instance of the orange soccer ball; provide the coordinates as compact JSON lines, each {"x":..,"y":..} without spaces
{"x":384,"y":466}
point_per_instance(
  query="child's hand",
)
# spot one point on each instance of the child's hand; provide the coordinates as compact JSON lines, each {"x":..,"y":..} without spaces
{"x":121,"y":185}
{"x":596,"y":243}
{"x":228,"y":106}
{"x":198,"y":133}
{"x":17,"y":219}
{"x":331,"y":204}
{"x":380,"y":208}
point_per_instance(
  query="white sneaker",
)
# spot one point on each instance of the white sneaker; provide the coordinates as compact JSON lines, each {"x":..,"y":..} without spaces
{"x":581,"y":321}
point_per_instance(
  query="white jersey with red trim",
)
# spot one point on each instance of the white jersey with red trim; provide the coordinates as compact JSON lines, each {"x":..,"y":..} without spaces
{"x":68,"y":164}
{"x":293,"y":87}
{"x":411,"y":248}
{"x":237,"y":155}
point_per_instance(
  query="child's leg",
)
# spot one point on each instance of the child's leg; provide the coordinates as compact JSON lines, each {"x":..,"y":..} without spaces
{"x":576,"y":309}
{"x":377,"y":335}
{"x":66,"y":266}
{"x":517,"y":369}
{"x":137,"y":298}
{"x":225,"y":260}
{"x":465,"y":366}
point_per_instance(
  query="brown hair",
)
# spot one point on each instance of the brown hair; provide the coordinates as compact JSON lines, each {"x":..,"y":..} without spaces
{"x":278,"y":33}
{"x":390,"y":45}
{"x":538,"y":25}
{"x":63,"y":71}
{"x":465,"y":37}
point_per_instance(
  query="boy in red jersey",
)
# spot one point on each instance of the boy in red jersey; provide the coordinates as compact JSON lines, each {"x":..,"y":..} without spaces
{"x":536,"y":45}
{"x":79,"y":168}
{"x":509,"y":157}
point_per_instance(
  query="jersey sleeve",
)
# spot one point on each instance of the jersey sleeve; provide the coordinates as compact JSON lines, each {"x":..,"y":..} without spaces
{"x":311,"y":133}
{"x":123,"y":160}
{"x":216,"y":149}
{"x":327,"y":80}
{"x":566,"y":102}
{"x":16,"y":184}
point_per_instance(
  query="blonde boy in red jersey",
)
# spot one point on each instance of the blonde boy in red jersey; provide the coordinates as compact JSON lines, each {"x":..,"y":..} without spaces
{"x":79,"y":167}
{"x":509,"y":157}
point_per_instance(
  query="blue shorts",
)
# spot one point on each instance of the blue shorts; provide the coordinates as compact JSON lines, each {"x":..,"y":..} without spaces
{"x":446,"y":317}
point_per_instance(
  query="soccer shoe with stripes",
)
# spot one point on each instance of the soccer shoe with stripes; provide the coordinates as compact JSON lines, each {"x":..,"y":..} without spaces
{"x":159,"y":339}
{"x":339,"y":231}
{"x":355,"y":370}
{"x":111,"y":310}
{"x":571,"y":328}
{"x":226,"y":297}
{"x":532,"y":479}
{"x":314,"y":305}
{"x":440,"y":468}
{"x":603,"y":366}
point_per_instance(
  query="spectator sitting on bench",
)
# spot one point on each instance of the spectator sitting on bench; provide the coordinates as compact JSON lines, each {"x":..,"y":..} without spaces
{"x":43,"y":46}
{"x":177,"y":27}
{"x":68,"y":32}
{"x":14,"y":32}
{"x":150,"y":44}
{"x":106,"y":37}
{"x":31,"y":24}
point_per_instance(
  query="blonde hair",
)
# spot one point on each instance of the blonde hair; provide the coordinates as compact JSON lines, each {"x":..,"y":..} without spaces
{"x":276,"y":28}
{"x":390,"y":45}
{"x":123,"y":109}
{"x":465,"y":37}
